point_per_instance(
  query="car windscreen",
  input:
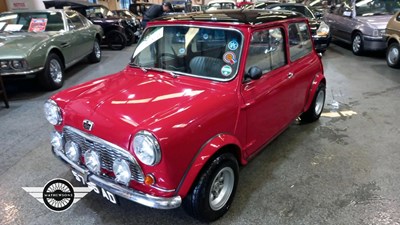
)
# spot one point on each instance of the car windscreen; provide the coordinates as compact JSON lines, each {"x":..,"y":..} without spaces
{"x":211,"y":53}
{"x":295,"y":8}
{"x":31,"y":22}
{"x":377,"y":7}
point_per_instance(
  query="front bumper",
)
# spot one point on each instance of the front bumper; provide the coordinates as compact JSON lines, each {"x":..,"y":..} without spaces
{"x":321,"y":43}
{"x":25,"y":72}
{"x":130,"y":194}
{"x":372,"y":43}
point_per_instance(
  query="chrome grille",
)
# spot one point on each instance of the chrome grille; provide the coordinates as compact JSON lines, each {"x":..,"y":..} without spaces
{"x":107,"y":152}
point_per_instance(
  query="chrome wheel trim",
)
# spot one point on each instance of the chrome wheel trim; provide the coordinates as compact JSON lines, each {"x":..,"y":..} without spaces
{"x":393,"y":56}
{"x":221,"y":188}
{"x":55,"y":71}
{"x":357,"y":43}
{"x":319,"y":102}
{"x":97,"y":50}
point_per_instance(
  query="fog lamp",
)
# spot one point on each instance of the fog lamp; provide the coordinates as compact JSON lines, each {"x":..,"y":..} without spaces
{"x":122,"y":171}
{"x":57,"y":142}
{"x":92,"y":161}
{"x":72,"y":151}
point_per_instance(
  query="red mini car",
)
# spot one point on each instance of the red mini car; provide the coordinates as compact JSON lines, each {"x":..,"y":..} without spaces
{"x":203,"y":94}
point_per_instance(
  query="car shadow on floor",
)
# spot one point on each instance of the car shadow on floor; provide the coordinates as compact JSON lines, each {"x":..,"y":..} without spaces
{"x":372,"y":54}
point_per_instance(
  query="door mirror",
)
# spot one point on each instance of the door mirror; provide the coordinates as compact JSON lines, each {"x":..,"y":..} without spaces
{"x":347,"y":13}
{"x":254,"y":73}
{"x":71,"y":26}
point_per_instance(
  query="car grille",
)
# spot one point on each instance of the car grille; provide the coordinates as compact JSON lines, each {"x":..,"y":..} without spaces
{"x":106,"y":152}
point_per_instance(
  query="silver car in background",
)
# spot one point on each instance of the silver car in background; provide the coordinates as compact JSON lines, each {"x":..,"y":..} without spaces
{"x":361,"y":23}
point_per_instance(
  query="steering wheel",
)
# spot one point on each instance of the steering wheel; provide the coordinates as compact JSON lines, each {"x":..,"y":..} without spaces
{"x":168,"y":57}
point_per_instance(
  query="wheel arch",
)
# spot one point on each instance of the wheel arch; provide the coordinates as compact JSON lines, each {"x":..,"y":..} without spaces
{"x":219,"y":144}
{"x":318,"y":79}
{"x":58,"y":53}
{"x":354,"y":32}
{"x":392,"y":40}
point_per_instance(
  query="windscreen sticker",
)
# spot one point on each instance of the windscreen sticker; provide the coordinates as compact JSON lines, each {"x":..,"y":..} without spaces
{"x":205,"y":36}
{"x":229,"y":57}
{"x":226,"y":70}
{"x":13,"y":27}
{"x":233,"y":45}
{"x":37,"y":25}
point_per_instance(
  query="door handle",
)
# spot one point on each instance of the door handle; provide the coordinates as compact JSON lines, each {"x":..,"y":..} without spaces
{"x":290,"y":75}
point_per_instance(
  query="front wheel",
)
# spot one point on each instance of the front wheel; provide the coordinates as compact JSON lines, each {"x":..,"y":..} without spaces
{"x":116,"y":40}
{"x":95,"y":55}
{"x":314,"y":112}
{"x":212,"y":195}
{"x":52,"y":76}
{"x":130,"y":37}
{"x":357,"y":45}
{"x":393,"y":55}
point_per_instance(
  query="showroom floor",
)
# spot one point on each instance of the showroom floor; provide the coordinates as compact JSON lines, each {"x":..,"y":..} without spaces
{"x":343,"y":169}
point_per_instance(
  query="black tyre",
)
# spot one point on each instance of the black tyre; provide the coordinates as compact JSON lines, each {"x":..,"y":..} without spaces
{"x":52,"y":76}
{"x":393,"y":55}
{"x":357,"y":44}
{"x":95,"y":55}
{"x":316,"y":107}
{"x":116,"y":40}
{"x":214,"y":190}
{"x":130,"y":37}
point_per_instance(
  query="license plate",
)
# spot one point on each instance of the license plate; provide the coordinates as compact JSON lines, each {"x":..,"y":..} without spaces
{"x":82,"y":178}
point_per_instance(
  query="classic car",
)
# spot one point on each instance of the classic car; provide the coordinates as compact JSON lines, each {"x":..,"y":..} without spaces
{"x":133,"y":20}
{"x":361,"y":24}
{"x":393,"y":41}
{"x":43,"y":43}
{"x":173,"y":127}
{"x":221,"y":4}
{"x":319,"y":29}
{"x":118,"y":32}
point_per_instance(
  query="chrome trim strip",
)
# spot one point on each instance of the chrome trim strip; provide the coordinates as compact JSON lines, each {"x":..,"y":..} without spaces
{"x":21,"y":72}
{"x":132,"y":195}
{"x":104,"y":142}
{"x":161,"y":189}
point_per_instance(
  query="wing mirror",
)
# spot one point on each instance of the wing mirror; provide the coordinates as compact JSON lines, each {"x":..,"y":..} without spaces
{"x":254,"y":73}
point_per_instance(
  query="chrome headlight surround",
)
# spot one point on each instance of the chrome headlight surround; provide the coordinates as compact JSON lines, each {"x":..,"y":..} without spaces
{"x":146,"y":148}
{"x":323,"y":29}
{"x":52,"y":112}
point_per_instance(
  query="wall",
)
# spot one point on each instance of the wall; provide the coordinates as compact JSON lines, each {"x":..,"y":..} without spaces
{"x":3,"y":6}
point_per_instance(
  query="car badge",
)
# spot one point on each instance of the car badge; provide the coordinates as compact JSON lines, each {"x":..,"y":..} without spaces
{"x":88,"y":125}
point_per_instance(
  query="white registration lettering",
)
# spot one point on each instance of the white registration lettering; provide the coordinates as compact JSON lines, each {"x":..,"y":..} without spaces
{"x":109,"y":196}
{"x":78,"y":177}
{"x":93,"y":187}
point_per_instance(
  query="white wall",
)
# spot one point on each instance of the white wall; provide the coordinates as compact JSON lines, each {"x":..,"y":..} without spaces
{"x":24,"y":4}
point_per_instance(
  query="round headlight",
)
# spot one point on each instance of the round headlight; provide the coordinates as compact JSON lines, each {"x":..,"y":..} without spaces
{"x":4,"y":65}
{"x":52,"y":112}
{"x":16,"y":64}
{"x":92,"y":161}
{"x":57,"y":141}
{"x":121,"y":171}
{"x":146,"y":148}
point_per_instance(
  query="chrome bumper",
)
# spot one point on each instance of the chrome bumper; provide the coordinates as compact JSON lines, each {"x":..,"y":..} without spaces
{"x":26,"y":72}
{"x":132,"y":195}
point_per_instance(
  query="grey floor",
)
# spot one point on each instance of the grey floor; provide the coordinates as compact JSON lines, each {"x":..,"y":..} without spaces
{"x":343,"y":169}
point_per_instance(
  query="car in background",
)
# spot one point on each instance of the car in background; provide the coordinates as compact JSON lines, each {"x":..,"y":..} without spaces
{"x":221,"y":4}
{"x":133,"y":21}
{"x":118,"y":32}
{"x":362,"y":24}
{"x":198,"y":8}
{"x":260,"y":5}
{"x":139,"y":8}
{"x":156,"y":134}
{"x":43,"y":43}
{"x":319,"y":29}
{"x":393,"y":41}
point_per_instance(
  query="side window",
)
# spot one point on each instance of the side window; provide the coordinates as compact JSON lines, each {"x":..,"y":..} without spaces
{"x":73,"y":19}
{"x":398,"y":17}
{"x":85,"y":21}
{"x":266,"y":50}
{"x":299,"y":40}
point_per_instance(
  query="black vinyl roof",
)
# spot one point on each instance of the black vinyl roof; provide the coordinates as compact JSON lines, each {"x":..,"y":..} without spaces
{"x":246,"y":16}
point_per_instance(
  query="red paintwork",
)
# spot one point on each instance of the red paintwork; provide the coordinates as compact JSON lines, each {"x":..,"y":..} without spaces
{"x":192,"y":118}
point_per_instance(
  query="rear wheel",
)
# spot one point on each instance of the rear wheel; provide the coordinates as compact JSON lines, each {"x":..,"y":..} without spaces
{"x":357,"y":45}
{"x":52,"y":76}
{"x":316,"y":107}
{"x":212,"y":195}
{"x":393,"y":55}
{"x":95,"y":55}
{"x":116,"y":40}
{"x":130,"y":37}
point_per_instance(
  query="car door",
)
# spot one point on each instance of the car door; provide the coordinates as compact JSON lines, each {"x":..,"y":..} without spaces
{"x":345,"y":23}
{"x":79,"y":40}
{"x":266,"y":100}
